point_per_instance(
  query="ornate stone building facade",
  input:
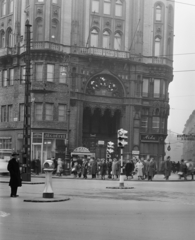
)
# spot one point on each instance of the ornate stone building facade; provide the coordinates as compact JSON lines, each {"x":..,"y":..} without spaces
{"x":109,"y":60}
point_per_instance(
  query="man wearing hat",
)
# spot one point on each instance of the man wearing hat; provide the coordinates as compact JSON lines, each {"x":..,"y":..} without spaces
{"x":15,"y":178}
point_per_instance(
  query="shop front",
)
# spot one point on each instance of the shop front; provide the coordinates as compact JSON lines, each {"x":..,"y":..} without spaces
{"x":47,"y":146}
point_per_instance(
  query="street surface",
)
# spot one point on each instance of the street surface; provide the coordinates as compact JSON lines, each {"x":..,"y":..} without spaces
{"x":157,"y":210}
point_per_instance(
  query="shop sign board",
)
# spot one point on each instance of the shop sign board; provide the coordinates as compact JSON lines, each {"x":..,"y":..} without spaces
{"x":81,"y":150}
{"x":151,"y":138}
{"x":135,"y":152}
{"x":37,"y":135}
{"x":54,"y":135}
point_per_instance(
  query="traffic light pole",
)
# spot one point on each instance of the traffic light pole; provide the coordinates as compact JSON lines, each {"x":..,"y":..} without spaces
{"x":121,"y":180}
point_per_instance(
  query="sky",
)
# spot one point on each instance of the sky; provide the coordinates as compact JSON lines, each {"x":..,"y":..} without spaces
{"x":182,"y":88}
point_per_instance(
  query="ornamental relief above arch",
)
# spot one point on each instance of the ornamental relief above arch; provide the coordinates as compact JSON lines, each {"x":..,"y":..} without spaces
{"x":105,"y":85}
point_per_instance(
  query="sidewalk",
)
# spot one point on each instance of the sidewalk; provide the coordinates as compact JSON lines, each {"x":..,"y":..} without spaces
{"x":40,"y":179}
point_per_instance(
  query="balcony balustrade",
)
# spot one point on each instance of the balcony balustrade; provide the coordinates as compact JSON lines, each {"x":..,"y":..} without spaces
{"x":46,"y":45}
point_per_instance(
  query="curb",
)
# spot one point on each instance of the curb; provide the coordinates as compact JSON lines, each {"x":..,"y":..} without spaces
{"x":32,"y":183}
{"x":46,"y":200}
{"x":120,"y":187}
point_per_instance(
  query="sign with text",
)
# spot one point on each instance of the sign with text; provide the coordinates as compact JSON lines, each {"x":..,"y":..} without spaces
{"x":55,"y":135}
{"x":152,"y":138}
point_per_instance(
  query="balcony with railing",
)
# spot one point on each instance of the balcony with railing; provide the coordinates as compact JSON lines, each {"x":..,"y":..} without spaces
{"x":7,"y":51}
{"x":92,"y":51}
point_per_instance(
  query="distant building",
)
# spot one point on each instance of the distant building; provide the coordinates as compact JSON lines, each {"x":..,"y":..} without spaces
{"x":114,"y":56}
{"x":176,"y":146}
{"x":189,"y":145}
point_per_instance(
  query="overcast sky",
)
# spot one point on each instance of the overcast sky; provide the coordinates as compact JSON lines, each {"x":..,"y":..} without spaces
{"x":182,"y":89}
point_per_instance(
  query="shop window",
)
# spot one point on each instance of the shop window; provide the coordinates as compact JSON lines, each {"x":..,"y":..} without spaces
{"x":95,"y":6}
{"x":38,"y":111}
{"x":106,"y":39}
{"x":23,"y":74}
{"x":4,"y":82}
{"x":158,"y":13}
{"x":2,"y":39}
{"x":5,"y":143}
{"x":94,"y":38}
{"x":155,"y":124}
{"x":10,"y":113}
{"x":3,"y":113}
{"x":157,"y":46}
{"x":21,"y":112}
{"x":63,"y":75}
{"x":117,"y":41}
{"x":107,"y":6}
{"x":50,"y":72}
{"x":144,"y":124}
{"x":118,"y":8}
{"x":62,"y":113}
{"x":11,"y":76}
{"x":49,"y":111}
{"x":39,"y":72}
{"x":145,"y":87}
{"x":156,"y":88}
{"x":39,"y":29}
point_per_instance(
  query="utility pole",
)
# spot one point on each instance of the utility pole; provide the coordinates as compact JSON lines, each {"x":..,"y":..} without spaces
{"x":26,"y":158}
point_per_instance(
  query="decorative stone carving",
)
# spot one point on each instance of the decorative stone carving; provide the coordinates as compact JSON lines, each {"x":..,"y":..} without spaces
{"x":2,"y":24}
{"x":39,"y":11}
{"x":55,"y":12}
{"x":9,"y":22}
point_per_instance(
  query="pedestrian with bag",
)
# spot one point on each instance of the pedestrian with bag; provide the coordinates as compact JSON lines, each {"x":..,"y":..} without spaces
{"x":15,"y":177}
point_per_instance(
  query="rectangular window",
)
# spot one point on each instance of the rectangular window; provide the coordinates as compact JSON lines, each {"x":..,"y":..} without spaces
{"x":156,"y":88}
{"x":11,"y":76}
{"x":107,"y":6}
{"x":144,"y":124}
{"x":38,"y":111}
{"x":62,"y":113}
{"x":21,"y":112}
{"x":10,"y":113}
{"x":155,"y":124}
{"x":55,"y":1}
{"x":3,"y":7}
{"x":49,"y":111}
{"x":50,"y":72}
{"x":4,"y":78}
{"x":95,"y":6}
{"x":5,"y":143}
{"x":39,"y":72}
{"x":3,"y":114}
{"x":23,"y":74}
{"x":118,"y":8}
{"x":63,"y":75}
{"x":145,"y":88}
{"x":11,"y":6}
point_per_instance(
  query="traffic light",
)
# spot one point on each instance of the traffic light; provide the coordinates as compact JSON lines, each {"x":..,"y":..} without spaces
{"x":121,"y":138}
{"x":110,"y":147}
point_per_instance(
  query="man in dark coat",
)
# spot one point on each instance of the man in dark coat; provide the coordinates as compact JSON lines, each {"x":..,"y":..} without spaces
{"x":15,"y":178}
{"x":168,"y":168}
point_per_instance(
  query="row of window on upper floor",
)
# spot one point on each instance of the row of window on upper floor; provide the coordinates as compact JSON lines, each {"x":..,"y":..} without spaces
{"x":42,"y":111}
{"x":108,"y":7}
{"x":157,"y":124}
{"x":8,"y":76}
{"x":156,"y":90}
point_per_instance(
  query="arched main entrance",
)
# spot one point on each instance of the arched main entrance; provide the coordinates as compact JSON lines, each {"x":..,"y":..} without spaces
{"x":102,"y":116}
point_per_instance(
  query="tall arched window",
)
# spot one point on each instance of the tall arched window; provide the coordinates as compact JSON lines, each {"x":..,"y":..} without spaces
{"x":55,"y":33}
{"x":157,"y":46}
{"x":9,"y":38}
{"x":117,"y":41}
{"x":94,"y":38}
{"x":39,"y":29}
{"x":158,"y":13}
{"x":106,"y":39}
{"x":118,"y":8}
{"x":2,"y":39}
{"x":169,"y":48}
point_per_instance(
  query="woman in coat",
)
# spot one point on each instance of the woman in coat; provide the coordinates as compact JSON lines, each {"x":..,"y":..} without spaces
{"x":103,"y":168}
{"x":94,"y":168}
{"x":15,"y":178}
{"x":139,"y":166}
{"x":114,"y":168}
